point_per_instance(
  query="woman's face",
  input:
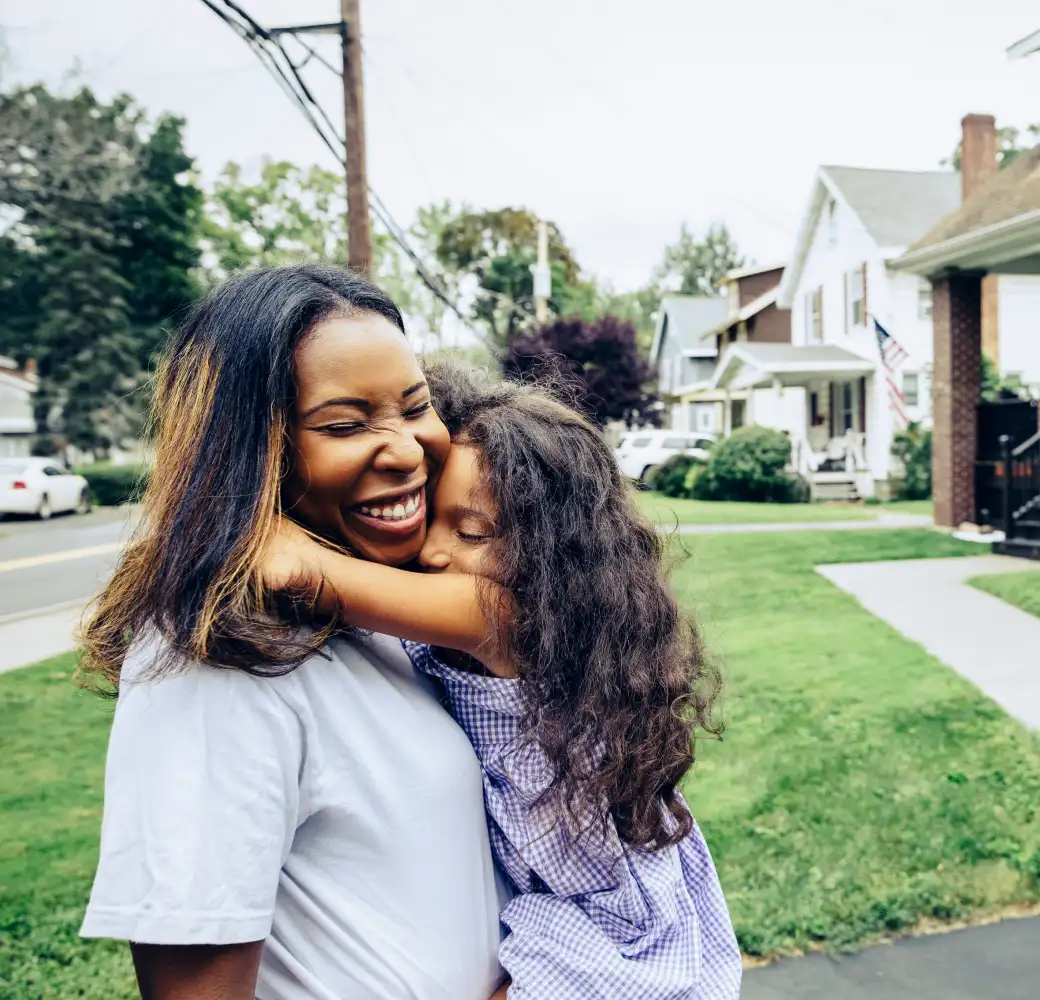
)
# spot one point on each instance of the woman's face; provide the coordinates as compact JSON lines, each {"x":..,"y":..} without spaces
{"x":365,"y":439}
{"x":464,"y":516}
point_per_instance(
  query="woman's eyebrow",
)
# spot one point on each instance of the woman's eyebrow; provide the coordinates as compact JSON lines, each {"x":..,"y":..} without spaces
{"x":363,"y":404}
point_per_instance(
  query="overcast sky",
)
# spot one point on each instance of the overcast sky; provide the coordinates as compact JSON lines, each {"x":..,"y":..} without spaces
{"x":616,"y":120}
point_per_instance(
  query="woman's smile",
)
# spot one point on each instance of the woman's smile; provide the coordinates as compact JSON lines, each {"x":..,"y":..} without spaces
{"x":399,"y":514}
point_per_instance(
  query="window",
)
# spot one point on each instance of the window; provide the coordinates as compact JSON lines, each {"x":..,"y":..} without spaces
{"x":49,"y":470}
{"x":911,"y":389}
{"x":703,"y":444}
{"x":847,"y":411}
{"x":815,"y":417}
{"x":674,"y":444}
{"x":924,"y":299}
{"x":856,"y":297}
{"x":640,"y":442}
{"x":814,"y":316}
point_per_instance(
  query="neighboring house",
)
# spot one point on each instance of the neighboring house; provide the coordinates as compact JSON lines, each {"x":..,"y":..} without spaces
{"x":752,"y":317}
{"x":993,"y":235}
{"x":17,"y":424}
{"x":681,"y":355}
{"x":829,"y":387}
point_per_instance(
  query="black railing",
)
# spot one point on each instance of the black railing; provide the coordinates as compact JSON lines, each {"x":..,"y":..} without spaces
{"x":1020,"y":497}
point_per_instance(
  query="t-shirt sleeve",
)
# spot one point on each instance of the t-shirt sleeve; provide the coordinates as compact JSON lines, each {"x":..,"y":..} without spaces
{"x":202,"y":801}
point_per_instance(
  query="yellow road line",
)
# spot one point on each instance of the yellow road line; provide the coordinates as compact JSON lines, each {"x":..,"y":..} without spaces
{"x":58,"y":557}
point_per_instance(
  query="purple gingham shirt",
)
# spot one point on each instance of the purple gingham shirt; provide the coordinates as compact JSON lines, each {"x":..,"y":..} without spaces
{"x":592,"y":919}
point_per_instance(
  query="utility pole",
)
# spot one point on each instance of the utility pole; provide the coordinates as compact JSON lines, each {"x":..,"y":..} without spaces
{"x":359,"y":226}
{"x":542,"y":275}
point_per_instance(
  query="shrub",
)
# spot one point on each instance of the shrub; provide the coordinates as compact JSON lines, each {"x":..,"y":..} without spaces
{"x":670,"y":476}
{"x":913,"y":447}
{"x":750,"y":465}
{"x":115,"y":484}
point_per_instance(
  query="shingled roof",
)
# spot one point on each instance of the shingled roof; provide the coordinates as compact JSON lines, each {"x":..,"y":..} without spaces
{"x":1013,"y":192}
{"x":897,"y":207}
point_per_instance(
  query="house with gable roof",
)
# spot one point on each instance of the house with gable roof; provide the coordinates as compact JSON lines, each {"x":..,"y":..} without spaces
{"x":828,"y":388}
{"x":683,"y":357}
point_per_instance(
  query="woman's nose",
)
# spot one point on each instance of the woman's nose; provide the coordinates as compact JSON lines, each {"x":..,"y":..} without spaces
{"x":400,"y":453}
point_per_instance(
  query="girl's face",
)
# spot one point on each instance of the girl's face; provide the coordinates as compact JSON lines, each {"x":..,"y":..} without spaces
{"x":464,"y":518}
{"x":365,"y":439}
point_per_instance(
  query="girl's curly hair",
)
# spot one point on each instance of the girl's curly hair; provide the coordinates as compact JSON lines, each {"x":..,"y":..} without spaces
{"x":613,"y":674}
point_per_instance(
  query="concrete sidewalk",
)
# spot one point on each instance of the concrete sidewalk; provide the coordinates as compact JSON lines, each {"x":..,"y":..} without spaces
{"x":36,"y":635}
{"x":992,"y":644}
{"x":882,"y":521}
{"x":996,"y":962}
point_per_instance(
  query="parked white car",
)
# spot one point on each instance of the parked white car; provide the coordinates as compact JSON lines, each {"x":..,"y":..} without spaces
{"x":40,"y":486}
{"x":639,"y":451}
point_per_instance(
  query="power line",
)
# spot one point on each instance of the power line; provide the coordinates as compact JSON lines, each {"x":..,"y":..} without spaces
{"x":255,"y":36}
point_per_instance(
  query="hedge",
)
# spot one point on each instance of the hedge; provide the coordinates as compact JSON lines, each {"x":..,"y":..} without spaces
{"x":115,"y":484}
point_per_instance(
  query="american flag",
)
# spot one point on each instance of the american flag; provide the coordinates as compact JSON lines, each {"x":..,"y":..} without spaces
{"x":892,"y":356}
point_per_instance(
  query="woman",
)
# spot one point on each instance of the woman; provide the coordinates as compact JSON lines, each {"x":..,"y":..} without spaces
{"x":306,"y":822}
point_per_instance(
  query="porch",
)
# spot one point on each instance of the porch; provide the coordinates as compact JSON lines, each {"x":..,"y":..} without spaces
{"x":821,"y":396}
{"x":996,"y":231}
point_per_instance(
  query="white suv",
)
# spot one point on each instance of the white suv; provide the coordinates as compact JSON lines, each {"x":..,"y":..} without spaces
{"x":639,"y":451}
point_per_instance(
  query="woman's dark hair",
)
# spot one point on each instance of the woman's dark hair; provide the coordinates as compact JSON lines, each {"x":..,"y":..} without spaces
{"x":613,"y":674}
{"x":220,"y":415}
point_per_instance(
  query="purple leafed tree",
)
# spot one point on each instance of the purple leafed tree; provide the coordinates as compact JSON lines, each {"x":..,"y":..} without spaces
{"x":600,"y":358}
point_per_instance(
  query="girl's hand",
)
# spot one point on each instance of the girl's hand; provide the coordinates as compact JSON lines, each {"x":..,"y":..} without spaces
{"x":292,"y":559}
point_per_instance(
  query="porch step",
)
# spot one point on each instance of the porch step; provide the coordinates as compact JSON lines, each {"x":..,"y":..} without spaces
{"x":834,"y":486}
{"x":1024,"y":548}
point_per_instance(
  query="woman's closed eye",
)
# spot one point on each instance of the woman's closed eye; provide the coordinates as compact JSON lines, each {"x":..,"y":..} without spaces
{"x":418,"y":411}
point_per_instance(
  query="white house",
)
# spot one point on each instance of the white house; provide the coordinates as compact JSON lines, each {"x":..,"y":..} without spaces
{"x":830,"y":388}
{"x":17,"y":424}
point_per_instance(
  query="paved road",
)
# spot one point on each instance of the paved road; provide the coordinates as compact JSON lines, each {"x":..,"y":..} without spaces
{"x":58,"y":561}
{"x":997,"y":962}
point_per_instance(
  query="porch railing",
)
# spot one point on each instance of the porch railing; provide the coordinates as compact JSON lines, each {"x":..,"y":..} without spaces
{"x":1020,"y":475}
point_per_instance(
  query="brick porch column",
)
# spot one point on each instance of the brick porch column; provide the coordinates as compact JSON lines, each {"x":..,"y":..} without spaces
{"x":956,"y":381}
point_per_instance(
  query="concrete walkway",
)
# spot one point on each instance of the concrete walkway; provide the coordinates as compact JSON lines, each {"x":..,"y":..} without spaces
{"x":882,"y":521}
{"x":30,"y":637}
{"x":995,"y":962}
{"x":992,"y":644}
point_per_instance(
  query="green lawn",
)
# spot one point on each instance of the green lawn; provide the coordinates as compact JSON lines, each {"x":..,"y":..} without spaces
{"x":666,"y":510}
{"x":1020,"y":589}
{"x":861,"y":786}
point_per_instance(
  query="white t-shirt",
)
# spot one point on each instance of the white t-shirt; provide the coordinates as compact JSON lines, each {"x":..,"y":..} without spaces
{"x":336,"y":812}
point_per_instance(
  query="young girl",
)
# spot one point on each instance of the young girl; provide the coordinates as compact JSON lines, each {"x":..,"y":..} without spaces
{"x":545,"y":614}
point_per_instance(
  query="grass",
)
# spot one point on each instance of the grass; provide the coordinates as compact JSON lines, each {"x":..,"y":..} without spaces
{"x":1020,"y":589}
{"x":53,"y":740}
{"x":666,"y":510}
{"x":862,"y":786}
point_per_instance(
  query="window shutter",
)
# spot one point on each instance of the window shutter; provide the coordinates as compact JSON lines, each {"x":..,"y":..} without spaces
{"x":863,"y":405}
{"x":865,"y":323}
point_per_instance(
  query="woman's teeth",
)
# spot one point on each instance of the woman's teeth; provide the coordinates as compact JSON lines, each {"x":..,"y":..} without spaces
{"x":396,"y":511}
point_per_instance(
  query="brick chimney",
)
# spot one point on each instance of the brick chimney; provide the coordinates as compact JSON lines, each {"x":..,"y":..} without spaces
{"x":978,"y":166}
{"x":978,"y":152}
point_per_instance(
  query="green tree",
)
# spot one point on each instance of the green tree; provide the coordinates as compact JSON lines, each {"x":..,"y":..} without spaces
{"x":496,"y":249}
{"x":95,"y":254}
{"x":289,"y":214}
{"x":694,"y":266}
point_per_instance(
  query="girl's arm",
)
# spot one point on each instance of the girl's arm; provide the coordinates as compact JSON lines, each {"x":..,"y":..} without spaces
{"x":441,"y":609}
